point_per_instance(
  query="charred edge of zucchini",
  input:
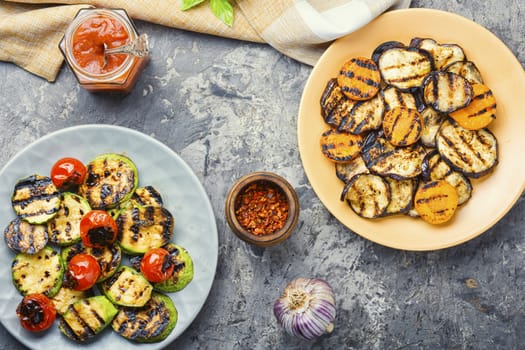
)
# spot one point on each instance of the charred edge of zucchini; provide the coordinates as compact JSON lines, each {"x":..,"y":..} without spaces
{"x":23,"y":237}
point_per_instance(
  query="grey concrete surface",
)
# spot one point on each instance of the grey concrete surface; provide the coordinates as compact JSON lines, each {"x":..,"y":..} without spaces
{"x":229,"y":108}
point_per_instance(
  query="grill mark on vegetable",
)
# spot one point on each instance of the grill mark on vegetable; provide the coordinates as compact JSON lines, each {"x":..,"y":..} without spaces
{"x":431,"y":198}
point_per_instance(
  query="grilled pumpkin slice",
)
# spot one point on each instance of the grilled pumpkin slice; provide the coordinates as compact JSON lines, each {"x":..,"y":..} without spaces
{"x":446,"y":91}
{"x":443,"y":54}
{"x":64,"y":228}
{"x":38,"y":273}
{"x":86,"y":318}
{"x":471,"y":152}
{"x":346,"y":171}
{"x":148,"y":324}
{"x":35,"y":199}
{"x":383,"y":158}
{"x":431,"y":123}
{"x":340,"y":146}
{"x":127,"y":287}
{"x":405,"y":68}
{"x":368,"y":195}
{"x":480,"y":112}
{"x":467,"y":69}
{"x":111,"y":179}
{"x":359,"y":78}
{"x":67,"y":296}
{"x":401,"y":195}
{"x":108,"y":257}
{"x":435,"y":168}
{"x":393,"y":97}
{"x":143,"y":228}
{"x":23,"y":237}
{"x":364,"y":116}
{"x":402,"y":126}
{"x":436,"y":201}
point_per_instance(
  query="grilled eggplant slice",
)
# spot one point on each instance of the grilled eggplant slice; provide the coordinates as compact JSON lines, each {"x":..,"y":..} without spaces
{"x":431,"y":122}
{"x":86,"y":318}
{"x":402,"y":126}
{"x":359,"y":78}
{"x":38,"y":273}
{"x":382,"y":158}
{"x":35,"y":199}
{"x":447,"y":92}
{"x":67,"y":296}
{"x":401,"y":195}
{"x":23,"y":237}
{"x":143,"y":228}
{"x":443,"y":54}
{"x":340,"y":146}
{"x":64,"y":228}
{"x":108,"y":257}
{"x":364,"y":116}
{"x":368,"y":195}
{"x":435,"y":168}
{"x":467,"y":69}
{"x":334,"y":104}
{"x":405,"y":68}
{"x":127,"y":287}
{"x":393,"y":97}
{"x":148,"y":324}
{"x":111,"y":179}
{"x":183,"y":272}
{"x":480,"y":112}
{"x":378,"y":51}
{"x":471,"y":152}
{"x":436,"y":201}
{"x":345,"y":171}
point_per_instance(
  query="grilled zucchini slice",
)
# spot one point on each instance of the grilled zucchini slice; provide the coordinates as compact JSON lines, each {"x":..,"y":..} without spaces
{"x":364,"y":116}
{"x":359,"y":78}
{"x":435,"y":168}
{"x":443,"y":54}
{"x":183,"y":272}
{"x":447,"y":92}
{"x":143,"y":228}
{"x":431,"y":122}
{"x":127,"y":287}
{"x":368,"y":195}
{"x":35,"y":199}
{"x":393,"y":97}
{"x":86,"y":318}
{"x":405,"y":68}
{"x":401,"y":195}
{"x":340,"y":146}
{"x":64,"y":228}
{"x":480,"y":112}
{"x":471,"y":152}
{"x":148,"y":324}
{"x":467,"y":69}
{"x":23,"y":237}
{"x":402,"y":126}
{"x":110,"y":180}
{"x":346,"y":171}
{"x":147,"y":196}
{"x":38,"y":273}
{"x":436,"y":201}
{"x":108,"y":257}
{"x":67,"y":296}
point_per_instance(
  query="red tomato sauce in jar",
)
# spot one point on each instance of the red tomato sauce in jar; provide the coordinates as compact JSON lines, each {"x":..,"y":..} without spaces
{"x":88,"y":44}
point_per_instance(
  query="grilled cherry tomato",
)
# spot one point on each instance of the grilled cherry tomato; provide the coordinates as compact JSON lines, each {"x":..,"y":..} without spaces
{"x":68,"y":172}
{"x":36,"y":312}
{"x":157,"y":265}
{"x":98,"y":229}
{"x":83,"y":271}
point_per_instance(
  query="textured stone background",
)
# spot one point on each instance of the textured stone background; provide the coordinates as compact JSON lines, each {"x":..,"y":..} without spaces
{"x":229,"y":108}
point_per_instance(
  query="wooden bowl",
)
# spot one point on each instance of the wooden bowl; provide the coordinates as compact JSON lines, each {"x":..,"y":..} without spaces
{"x":232,"y":204}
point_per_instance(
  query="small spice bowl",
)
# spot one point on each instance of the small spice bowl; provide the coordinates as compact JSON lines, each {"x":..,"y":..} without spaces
{"x":252,"y":198}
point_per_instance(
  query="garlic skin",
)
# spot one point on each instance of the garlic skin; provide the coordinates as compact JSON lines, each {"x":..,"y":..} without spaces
{"x":306,"y":309}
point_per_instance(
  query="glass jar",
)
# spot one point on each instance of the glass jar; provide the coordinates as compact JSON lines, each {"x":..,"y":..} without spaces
{"x":83,"y":48}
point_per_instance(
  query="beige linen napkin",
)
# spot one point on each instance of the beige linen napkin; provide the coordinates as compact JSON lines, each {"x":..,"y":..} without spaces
{"x":30,"y":30}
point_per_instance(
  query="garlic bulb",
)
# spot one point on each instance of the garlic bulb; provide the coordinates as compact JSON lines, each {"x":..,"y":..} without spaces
{"x":306,"y":308}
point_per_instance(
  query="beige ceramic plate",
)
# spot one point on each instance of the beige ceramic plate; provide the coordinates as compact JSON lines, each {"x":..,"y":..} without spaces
{"x":493,"y":196}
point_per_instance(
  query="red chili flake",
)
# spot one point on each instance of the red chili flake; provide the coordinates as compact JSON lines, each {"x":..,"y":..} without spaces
{"x":262,"y":208}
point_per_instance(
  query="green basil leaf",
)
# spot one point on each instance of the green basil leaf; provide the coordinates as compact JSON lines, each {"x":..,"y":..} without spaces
{"x":223,"y":10}
{"x":188,"y":4}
